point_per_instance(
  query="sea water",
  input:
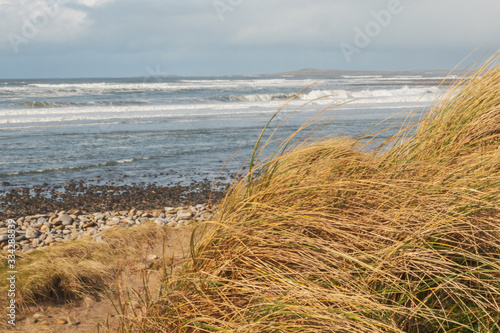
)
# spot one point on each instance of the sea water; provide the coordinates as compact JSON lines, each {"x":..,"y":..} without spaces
{"x":178,"y":129}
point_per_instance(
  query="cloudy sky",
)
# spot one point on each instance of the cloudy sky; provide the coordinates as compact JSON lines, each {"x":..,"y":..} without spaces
{"x":110,"y":38}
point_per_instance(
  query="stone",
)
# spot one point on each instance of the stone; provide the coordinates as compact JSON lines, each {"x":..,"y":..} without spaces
{"x":49,"y":240}
{"x":114,"y":221}
{"x":4,"y":237}
{"x":27,"y":248}
{"x":56,"y":222}
{"x":62,"y":321}
{"x":83,"y":219}
{"x":60,"y":227}
{"x":184,"y":215}
{"x":35,"y":242}
{"x":156,"y":212}
{"x":160,"y":222}
{"x":162,"y":216}
{"x":89,"y":225}
{"x":20,"y":238}
{"x":65,"y":219}
{"x":32,"y":233}
{"x":42,"y":220}
{"x":74,"y":212}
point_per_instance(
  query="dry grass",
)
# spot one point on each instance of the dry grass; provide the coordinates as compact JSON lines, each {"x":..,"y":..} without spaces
{"x":74,"y":269}
{"x":328,"y":238}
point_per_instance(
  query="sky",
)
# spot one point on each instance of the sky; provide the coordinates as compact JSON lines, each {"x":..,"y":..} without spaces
{"x":123,"y":38}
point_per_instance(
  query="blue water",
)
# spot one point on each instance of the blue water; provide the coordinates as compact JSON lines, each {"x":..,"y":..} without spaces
{"x":174,"y":129}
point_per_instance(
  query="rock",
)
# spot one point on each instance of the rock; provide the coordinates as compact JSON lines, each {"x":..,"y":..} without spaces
{"x":32,"y":233}
{"x":42,"y":220}
{"x":49,"y":240}
{"x":31,"y":320}
{"x":99,"y":239}
{"x":39,"y":316}
{"x":27,"y":248}
{"x":62,"y":321}
{"x":160,"y":222}
{"x":83,"y":218}
{"x":132,"y":212}
{"x":4,"y":237}
{"x":114,"y":221}
{"x":74,"y":212}
{"x":65,"y":219}
{"x":56,"y":222}
{"x":184,"y":215}
{"x":89,"y":225}
{"x":155,"y":213}
{"x":20,"y":238}
{"x":60,"y":227}
{"x":44,"y":228}
{"x":35,"y":242}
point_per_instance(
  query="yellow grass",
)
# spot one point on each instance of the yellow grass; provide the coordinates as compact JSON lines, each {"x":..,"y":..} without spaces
{"x":327,"y":237}
{"x":74,"y":269}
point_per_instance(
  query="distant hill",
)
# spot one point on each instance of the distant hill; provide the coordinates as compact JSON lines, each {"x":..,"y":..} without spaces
{"x":331,"y":72}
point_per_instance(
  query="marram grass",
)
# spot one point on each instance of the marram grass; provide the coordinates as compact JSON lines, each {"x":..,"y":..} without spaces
{"x":329,"y":237}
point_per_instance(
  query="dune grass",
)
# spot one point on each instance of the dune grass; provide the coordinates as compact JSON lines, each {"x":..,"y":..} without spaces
{"x":329,"y":237}
{"x":78,"y":268}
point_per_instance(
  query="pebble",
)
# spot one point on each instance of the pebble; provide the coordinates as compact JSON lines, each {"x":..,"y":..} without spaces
{"x":62,"y":321}
{"x":184,"y":215}
{"x":42,"y":230}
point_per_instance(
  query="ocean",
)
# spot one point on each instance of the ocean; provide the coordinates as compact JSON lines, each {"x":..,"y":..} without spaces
{"x":163,"y":130}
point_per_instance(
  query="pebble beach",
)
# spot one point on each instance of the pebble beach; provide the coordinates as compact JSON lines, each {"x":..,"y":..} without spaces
{"x":43,"y":230}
